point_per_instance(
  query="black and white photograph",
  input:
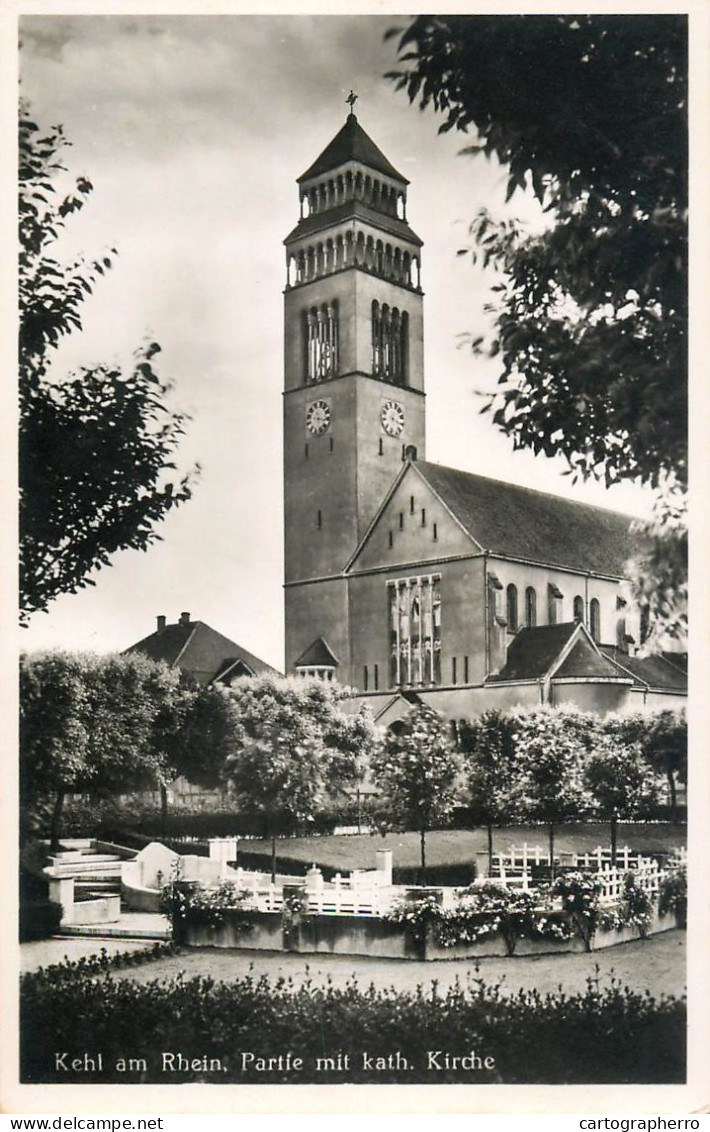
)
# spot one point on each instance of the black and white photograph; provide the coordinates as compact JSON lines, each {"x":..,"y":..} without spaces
{"x":353,"y":555}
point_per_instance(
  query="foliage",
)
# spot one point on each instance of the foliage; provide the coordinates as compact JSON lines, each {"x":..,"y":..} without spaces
{"x":90,"y":724}
{"x":189,"y":903}
{"x":604,"y":1035}
{"x":416,"y":771}
{"x":294,"y":745}
{"x":590,"y":313}
{"x":94,"y":446}
{"x":550,"y":747}
{"x":39,"y":919}
{"x":618,"y":781}
{"x":673,"y":895}
{"x":489,"y":768}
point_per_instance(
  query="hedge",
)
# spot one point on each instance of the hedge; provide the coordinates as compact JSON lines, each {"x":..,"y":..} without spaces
{"x":607,"y":1035}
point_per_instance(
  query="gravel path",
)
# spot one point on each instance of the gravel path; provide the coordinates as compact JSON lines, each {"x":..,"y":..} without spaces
{"x":657,"y":965}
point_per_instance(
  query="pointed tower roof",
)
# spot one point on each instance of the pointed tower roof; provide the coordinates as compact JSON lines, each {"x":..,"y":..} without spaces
{"x":351,"y":143}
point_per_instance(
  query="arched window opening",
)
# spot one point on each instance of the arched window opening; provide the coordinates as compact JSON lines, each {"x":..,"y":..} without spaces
{"x":322,"y":342}
{"x":530,"y":608}
{"x":578,"y":608}
{"x":594,"y":620}
{"x":390,"y":341}
{"x":511,"y":607}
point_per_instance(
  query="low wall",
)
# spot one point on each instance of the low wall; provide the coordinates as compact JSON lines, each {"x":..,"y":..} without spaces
{"x":102,"y":910}
{"x":310,"y":934}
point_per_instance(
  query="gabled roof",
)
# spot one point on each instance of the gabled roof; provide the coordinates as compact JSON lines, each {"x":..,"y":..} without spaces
{"x":532,"y":652}
{"x":318,"y":655}
{"x":557,"y":652}
{"x":517,"y":522}
{"x":198,"y":650}
{"x":353,"y":210}
{"x":654,"y":671}
{"x":351,"y":143}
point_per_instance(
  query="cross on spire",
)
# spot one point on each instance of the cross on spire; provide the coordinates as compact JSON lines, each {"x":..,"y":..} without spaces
{"x":351,"y":100}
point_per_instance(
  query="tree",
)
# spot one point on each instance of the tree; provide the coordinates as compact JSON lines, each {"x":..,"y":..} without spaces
{"x":489,"y":768}
{"x":590,"y":114}
{"x":90,"y":724}
{"x":666,"y":749}
{"x":94,"y":446}
{"x":294,"y":747}
{"x":551,"y":745}
{"x":416,"y":770}
{"x":617,"y":779}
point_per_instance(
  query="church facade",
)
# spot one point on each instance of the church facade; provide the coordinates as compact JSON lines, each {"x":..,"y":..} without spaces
{"x":405,"y":579}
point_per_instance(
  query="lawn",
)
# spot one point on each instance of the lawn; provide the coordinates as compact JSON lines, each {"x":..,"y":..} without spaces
{"x":460,"y":846}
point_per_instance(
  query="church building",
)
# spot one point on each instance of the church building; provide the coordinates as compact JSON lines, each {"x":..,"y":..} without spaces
{"x":405,"y":579}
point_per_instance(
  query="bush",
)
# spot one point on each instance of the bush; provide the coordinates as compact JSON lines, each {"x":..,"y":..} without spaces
{"x":673,"y":896}
{"x":39,"y":919}
{"x":604,"y":1036}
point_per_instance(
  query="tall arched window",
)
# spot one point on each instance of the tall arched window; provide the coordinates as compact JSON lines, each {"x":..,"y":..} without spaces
{"x":511,"y":607}
{"x":322,"y":341}
{"x":390,"y":343}
{"x":578,"y":608}
{"x":594,"y":619}
{"x":530,"y":607}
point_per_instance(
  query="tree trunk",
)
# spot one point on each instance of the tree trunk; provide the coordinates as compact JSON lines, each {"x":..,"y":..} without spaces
{"x":273,"y":858}
{"x":674,"y":798}
{"x":490,"y":849}
{"x":56,"y":820}
{"x":422,"y":842}
{"x":614,"y":821}
{"x":163,"y":809}
{"x":552,"y":850}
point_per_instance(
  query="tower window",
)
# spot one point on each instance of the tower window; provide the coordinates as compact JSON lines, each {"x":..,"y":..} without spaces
{"x":401,"y":520}
{"x":415,"y":630}
{"x":423,"y":516}
{"x":390,"y":343}
{"x":322,"y":341}
{"x":435,"y":532}
{"x":331,"y":446}
{"x":411,"y":504}
{"x":391,"y":538}
{"x":382,"y":447}
{"x":305,"y":452}
{"x":320,"y":519}
{"x":530,"y":608}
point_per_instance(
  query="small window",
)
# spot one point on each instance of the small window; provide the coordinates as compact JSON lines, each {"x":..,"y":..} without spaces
{"x":411,"y":504}
{"x":306,"y":452}
{"x":423,"y":516}
{"x":530,"y":608}
{"x":377,"y":678}
{"x":401,"y":520}
{"x":465,"y":670}
{"x":391,"y":539}
{"x":435,"y":532}
{"x":320,"y":519}
{"x":331,"y":444}
{"x":382,"y":447}
{"x":578,"y":608}
{"x":453,"y":670}
{"x":364,"y":679}
{"x":595,"y":620}
{"x":511,"y":607}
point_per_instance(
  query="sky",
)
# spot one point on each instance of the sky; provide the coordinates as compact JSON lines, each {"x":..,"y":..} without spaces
{"x":193,"y":130}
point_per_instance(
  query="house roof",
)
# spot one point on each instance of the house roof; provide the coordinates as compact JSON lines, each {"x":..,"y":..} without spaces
{"x":532,"y":652}
{"x":351,"y":143}
{"x":198,"y":650}
{"x":585,"y":662}
{"x":655,"y":671}
{"x":318,"y":655}
{"x":353,"y":210}
{"x":517,"y":522}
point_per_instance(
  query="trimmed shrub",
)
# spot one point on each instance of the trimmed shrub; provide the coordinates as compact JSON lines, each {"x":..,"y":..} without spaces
{"x":39,"y":919}
{"x":603,"y":1036}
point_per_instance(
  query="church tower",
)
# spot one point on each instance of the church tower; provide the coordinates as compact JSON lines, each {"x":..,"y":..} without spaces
{"x":354,"y":381}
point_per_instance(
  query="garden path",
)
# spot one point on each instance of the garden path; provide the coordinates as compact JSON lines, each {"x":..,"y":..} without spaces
{"x":656,"y":965}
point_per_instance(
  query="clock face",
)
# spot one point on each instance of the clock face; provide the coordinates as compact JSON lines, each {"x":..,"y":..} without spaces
{"x":318,"y":417}
{"x":392,"y":417}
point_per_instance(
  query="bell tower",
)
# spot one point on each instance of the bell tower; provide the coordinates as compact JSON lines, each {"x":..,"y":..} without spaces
{"x":354,"y":381}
